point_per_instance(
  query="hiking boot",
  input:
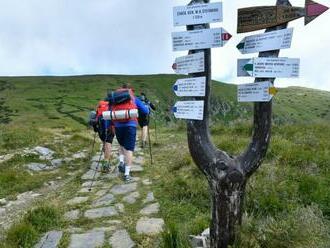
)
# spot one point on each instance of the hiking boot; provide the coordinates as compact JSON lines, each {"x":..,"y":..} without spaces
{"x":121,"y":167}
{"x":127,"y":178}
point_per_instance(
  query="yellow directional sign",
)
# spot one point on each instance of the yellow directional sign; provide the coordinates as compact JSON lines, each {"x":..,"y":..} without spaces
{"x":273,"y":91}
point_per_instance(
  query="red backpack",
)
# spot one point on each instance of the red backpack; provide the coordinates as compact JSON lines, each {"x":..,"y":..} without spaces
{"x":101,"y":107}
{"x":126,"y":105}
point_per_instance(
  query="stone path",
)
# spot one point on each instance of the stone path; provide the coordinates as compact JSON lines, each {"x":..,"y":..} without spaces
{"x":98,"y":217}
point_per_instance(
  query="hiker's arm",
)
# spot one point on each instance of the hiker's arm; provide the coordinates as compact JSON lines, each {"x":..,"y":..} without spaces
{"x":141,"y":106}
{"x":152,"y":106}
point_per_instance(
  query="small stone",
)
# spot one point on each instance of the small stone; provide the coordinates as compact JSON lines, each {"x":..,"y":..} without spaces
{"x":120,"y":207}
{"x":101,"y":192}
{"x":149,"y":225}
{"x":45,"y":152}
{"x":146,"y":182}
{"x":100,"y":212}
{"x":56,"y":162}
{"x":3,"y":201}
{"x":105,"y":229}
{"x":89,"y":175}
{"x":136,"y":168}
{"x":38,"y":167}
{"x":90,"y":239}
{"x":77,"y":200}
{"x":72,"y":215}
{"x":50,"y":240}
{"x":114,"y":222}
{"x":74,"y":230}
{"x":58,"y":178}
{"x":121,"y":239}
{"x":150,"y":198}
{"x":131,"y":198}
{"x":79,"y":155}
{"x":104,"y":200}
{"x":2,"y":211}
{"x":150,"y":209}
{"x":85,"y":190}
{"x":197,"y":241}
{"x":123,"y":188}
{"x":206,"y":233}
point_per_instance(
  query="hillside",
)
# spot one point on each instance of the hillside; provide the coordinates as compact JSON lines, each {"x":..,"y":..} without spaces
{"x":287,"y":202}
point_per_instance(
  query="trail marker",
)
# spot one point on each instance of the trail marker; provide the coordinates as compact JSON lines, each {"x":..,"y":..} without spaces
{"x":197,"y":14}
{"x":256,"y":92}
{"x":191,"y":110}
{"x":267,"y":67}
{"x":190,"y":86}
{"x":192,"y":63}
{"x":200,"y":39}
{"x":280,"y":39}
{"x":261,"y":17}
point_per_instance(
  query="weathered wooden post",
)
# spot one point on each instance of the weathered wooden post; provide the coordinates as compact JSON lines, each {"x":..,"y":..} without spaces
{"x":227,"y":175}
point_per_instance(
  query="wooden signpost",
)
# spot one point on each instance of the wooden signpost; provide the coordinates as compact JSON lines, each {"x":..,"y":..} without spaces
{"x":280,"y":39}
{"x":261,"y":17}
{"x":200,"y":39}
{"x":228,"y":175}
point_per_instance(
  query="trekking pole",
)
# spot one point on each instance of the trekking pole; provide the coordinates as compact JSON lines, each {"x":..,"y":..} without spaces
{"x":155,"y":122}
{"x":149,"y":141}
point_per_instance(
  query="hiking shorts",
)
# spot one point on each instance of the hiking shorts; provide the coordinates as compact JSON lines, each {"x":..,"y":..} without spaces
{"x":126,"y":137}
{"x":143,"y":121}
{"x":106,"y":136}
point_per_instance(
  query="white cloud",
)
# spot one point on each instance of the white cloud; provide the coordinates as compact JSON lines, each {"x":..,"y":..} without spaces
{"x":61,"y":37}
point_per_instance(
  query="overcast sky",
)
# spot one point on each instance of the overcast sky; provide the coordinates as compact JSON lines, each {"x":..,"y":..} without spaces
{"x":70,"y":37}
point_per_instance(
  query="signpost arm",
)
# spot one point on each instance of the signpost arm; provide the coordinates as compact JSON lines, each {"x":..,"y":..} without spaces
{"x":251,"y":159}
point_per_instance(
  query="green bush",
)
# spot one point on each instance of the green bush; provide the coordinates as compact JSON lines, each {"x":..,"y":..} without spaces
{"x":21,"y":235}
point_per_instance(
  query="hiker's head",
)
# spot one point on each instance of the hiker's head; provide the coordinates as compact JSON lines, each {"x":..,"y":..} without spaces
{"x":126,"y":86}
{"x":143,"y":96}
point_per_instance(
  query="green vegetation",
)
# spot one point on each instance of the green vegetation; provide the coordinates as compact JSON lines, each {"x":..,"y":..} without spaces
{"x":288,"y":199}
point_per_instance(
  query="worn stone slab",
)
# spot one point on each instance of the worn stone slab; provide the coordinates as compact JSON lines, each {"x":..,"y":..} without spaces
{"x":90,"y":174}
{"x":120,"y":207}
{"x":104,"y":200}
{"x":72,"y":215}
{"x":101,"y":192}
{"x":74,"y":230}
{"x":44,"y":151}
{"x":79,"y":155}
{"x":113,"y":222}
{"x":131,"y":198}
{"x":123,"y":188}
{"x":139,"y":160}
{"x":136,"y":168}
{"x":88,"y":183}
{"x":77,"y":200}
{"x":149,"y":225}
{"x":2,"y":211}
{"x":150,"y":209}
{"x":150,"y":198}
{"x":38,"y":167}
{"x":121,"y":239}
{"x":3,"y":201}
{"x":92,"y":239}
{"x":50,"y":240}
{"x":57,"y":162}
{"x":86,"y":190}
{"x":100,"y":212}
{"x":146,"y":182}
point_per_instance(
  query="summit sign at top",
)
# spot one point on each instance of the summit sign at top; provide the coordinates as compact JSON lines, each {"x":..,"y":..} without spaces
{"x":197,"y":14}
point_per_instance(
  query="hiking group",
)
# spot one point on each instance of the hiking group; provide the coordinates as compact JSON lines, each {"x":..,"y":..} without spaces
{"x":118,"y":115}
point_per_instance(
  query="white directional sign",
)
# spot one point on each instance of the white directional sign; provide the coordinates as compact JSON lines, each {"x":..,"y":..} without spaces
{"x":190,"y":86}
{"x":192,"y":63}
{"x":191,"y":110}
{"x":197,"y":14}
{"x":200,"y":39}
{"x":264,"y":67}
{"x":280,"y":39}
{"x":256,"y":92}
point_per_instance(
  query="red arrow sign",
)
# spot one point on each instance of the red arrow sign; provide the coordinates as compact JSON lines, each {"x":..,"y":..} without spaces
{"x":313,"y":10}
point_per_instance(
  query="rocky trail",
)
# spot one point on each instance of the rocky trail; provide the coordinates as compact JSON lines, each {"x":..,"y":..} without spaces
{"x":112,"y":214}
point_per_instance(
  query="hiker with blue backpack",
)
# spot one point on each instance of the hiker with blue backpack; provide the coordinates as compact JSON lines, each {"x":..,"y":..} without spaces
{"x":144,"y":118}
{"x":124,"y":108}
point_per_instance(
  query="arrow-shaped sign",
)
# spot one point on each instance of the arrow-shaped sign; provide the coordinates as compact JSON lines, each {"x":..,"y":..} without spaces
{"x":263,"y":67}
{"x":192,"y":63}
{"x":280,"y":39}
{"x":200,"y":39}
{"x":256,"y":92}
{"x":197,"y":14}
{"x":261,"y":17}
{"x":191,"y":110}
{"x":190,"y":86}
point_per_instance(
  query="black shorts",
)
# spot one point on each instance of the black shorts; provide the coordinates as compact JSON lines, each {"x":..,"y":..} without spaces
{"x":106,"y":136}
{"x":143,"y":121}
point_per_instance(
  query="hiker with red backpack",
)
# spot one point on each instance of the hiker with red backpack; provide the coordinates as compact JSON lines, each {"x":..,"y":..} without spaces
{"x":124,"y":113}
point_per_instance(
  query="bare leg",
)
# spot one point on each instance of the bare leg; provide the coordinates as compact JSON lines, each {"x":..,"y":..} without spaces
{"x":128,"y":161}
{"x":107,"y":151}
{"x":144,"y":134}
{"x":121,"y":154}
